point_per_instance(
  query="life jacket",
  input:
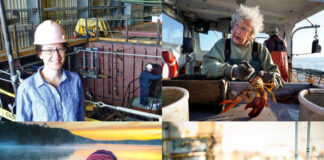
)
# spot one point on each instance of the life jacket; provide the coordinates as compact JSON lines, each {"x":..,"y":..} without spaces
{"x":279,"y":56}
{"x":171,"y":64}
{"x":255,"y":63}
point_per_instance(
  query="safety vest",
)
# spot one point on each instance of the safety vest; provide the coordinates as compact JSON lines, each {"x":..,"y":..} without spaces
{"x":279,"y":56}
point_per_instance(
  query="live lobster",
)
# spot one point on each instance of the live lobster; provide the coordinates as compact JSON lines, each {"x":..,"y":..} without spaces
{"x":256,"y":98}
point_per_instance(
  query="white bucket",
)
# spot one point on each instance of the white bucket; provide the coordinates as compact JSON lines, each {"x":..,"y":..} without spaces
{"x":175,"y":105}
{"x":311,"y":105}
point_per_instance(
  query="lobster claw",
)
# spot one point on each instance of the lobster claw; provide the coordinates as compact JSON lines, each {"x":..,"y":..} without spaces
{"x":257,"y":106}
{"x":231,"y":103}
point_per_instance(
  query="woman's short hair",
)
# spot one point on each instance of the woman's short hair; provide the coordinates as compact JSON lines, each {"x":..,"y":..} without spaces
{"x":251,"y":14}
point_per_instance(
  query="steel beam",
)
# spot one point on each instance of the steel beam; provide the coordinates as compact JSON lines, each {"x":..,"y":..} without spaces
{"x":8,"y":45}
{"x":34,"y":16}
{"x":83,"y":4}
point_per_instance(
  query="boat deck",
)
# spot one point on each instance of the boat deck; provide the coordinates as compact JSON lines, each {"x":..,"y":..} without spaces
{"x":280,"y":111}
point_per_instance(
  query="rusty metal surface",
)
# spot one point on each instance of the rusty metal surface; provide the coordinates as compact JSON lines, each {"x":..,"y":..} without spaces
{"x":119,"y":70}
{"x":140,"y":34}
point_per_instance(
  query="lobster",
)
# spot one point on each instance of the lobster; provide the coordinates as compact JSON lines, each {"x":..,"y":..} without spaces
{"x":256,"y":98}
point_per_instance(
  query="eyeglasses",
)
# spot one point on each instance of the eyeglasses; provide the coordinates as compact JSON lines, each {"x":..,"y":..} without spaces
{"x":51,"y":51}
{"x":243,"y":29}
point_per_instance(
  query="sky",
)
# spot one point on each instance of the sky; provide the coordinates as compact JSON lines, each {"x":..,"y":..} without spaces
{"x":112,"y":130}
{"x":270,"y":136}
{"x":303,"y":38}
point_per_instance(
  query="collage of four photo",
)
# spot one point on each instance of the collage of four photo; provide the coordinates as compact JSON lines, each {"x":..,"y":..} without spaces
{"x":161,"y":79}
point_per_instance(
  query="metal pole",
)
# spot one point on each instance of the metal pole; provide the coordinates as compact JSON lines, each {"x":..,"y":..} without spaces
{"x":158,"y":32}
{"x":97,"y":29}
{"x":308,"y":140}
{"x":2,"y":71}
{"x":116,"y":53}
{"x":91,"y":61}
{"x":292,"y":35}
{"x":15,"y":41}
{"x":86,"y":29}
{"x":8,"y":45}
{"x":291,"y":46}
{"x":126,"y":29}
{"x":96,"y":64}
{"x":127,"y":110}
{"x":138,"y":1}
{"x":89,"y":9}
{"x":40,"y":11}
{"x":83,"y":62}
{"x":296,"y":140}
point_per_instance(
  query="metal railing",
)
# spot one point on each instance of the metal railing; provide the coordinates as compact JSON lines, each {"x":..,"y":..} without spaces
{"x":64,"y":10}
{"x":308,"y":75}
{"x":127,"y":110}
{"x":128,"y":92}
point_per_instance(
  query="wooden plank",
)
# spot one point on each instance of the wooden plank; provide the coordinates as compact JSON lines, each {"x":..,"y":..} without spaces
{"x":201,"y":92}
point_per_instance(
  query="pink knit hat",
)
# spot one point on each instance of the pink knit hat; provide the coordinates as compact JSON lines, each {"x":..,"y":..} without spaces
{"x":102,"y":155}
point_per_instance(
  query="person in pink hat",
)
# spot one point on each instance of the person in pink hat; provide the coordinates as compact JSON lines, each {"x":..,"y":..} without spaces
{"x":51,"y":94}
{"x":102,"y":155}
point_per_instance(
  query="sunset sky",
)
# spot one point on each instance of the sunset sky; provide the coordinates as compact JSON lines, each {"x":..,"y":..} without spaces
{"x":112,"y":130}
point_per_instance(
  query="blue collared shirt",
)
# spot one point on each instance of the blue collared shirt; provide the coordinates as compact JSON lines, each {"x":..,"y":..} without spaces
{"x":38,"y":100}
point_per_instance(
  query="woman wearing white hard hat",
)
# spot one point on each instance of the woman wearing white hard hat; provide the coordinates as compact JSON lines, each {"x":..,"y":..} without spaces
{"x":51,"y":94}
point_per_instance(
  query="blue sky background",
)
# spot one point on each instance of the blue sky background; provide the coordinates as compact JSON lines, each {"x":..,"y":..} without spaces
{"x":303,"y":38}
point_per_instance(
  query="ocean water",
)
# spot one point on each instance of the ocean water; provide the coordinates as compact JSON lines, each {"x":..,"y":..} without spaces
{"x":309,"y":63}
{"x":80,"y":152}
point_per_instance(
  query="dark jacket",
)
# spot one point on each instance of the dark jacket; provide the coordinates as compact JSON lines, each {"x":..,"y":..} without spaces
{"x":145,"y":78}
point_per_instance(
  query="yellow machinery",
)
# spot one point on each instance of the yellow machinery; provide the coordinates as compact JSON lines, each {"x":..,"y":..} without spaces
{"x":3,"y":112}
{"x":92,"y":27}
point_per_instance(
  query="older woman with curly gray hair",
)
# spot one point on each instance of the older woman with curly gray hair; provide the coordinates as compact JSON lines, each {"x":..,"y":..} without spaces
{"x":241,"y":57}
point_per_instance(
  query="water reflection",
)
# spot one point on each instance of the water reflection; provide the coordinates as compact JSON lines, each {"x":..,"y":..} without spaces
{"x":10,"y":152}
{"x":80,"y":152}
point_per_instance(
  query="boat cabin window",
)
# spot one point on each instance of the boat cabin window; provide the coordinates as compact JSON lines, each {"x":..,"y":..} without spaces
{"x":261,"y":37}
{"x":172,"y":31}
{"x":207,"y":41}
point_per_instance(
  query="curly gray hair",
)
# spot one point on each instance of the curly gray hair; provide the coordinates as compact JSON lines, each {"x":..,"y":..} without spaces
{"x":251,"y":14}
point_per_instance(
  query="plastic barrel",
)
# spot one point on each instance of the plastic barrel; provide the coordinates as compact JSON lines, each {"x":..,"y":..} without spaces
{"x":311,"y":104}
{"x":175,"y":105}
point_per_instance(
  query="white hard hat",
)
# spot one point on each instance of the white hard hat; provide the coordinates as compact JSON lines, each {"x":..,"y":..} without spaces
{"x":149,"y":66}
{"x":49,"y":32}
